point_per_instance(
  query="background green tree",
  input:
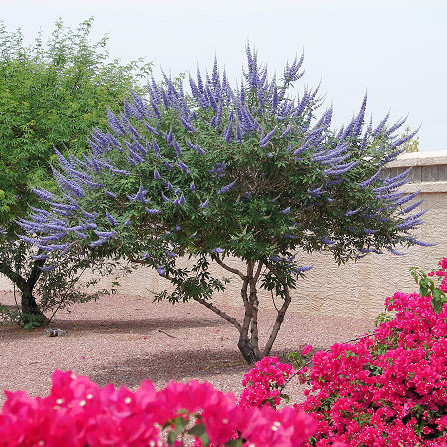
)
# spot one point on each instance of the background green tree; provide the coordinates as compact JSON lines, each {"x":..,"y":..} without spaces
{"x":223,"y":173}
{"x":411,"y":145}
{"x":51,"y":95}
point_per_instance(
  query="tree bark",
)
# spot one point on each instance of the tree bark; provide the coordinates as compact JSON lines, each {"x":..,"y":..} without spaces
{"x":31,"y":312}
{"x":279,"y":318}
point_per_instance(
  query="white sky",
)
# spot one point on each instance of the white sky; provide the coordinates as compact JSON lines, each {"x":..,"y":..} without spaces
{"x":396,"y":50}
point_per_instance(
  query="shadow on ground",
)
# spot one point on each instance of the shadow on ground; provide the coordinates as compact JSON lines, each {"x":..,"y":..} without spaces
{"x":203,"y":364}
{"x":186,"y":363}
{"x":135,"y":326}
{"x":79,"y":327}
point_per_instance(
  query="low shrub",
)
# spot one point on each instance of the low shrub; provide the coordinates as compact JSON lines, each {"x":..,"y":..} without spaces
{"x":389,"y":388}
{"x":78,"y":413}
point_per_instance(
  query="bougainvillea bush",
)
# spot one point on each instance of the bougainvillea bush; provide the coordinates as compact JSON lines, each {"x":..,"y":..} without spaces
{"x":385,"y":390}
{"x":78,"y":413}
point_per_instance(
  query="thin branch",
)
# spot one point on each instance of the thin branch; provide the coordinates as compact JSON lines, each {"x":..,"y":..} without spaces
{"x":230,"y":269}
{"x":218,"y":312}
{"x":281,"y":313}
{"x":258,"y":272}
{"x":137,"y":261}
{"x":208,"y":305}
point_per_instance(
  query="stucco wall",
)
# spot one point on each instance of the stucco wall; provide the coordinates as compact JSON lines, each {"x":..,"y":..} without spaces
{"x":355,"y":290}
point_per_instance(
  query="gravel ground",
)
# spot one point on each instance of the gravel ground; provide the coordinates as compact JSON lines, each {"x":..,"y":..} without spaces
{"x":127,"y":339}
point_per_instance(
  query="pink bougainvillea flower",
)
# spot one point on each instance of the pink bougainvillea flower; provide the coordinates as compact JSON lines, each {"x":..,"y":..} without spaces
{"x":307,"y":349}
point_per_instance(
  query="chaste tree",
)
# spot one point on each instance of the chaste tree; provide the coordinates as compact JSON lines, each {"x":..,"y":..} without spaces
{"x":221,"y":173}
{"x":51,"y":95}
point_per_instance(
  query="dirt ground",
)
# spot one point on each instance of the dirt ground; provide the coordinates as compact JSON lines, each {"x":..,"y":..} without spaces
{"x":128,"y":339}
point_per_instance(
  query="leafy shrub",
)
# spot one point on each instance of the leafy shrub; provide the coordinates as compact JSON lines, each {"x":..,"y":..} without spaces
{"x":389,"y":389}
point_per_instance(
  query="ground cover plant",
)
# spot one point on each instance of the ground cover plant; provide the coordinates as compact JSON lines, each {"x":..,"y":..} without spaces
{"x":220,"y":172}
{"x":51,"y":95}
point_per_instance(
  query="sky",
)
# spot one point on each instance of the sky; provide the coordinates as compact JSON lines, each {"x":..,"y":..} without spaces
{"x":392,"y":50}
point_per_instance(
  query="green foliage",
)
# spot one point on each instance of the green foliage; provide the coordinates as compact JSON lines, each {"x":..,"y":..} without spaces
{"x":411,"y":145}
{"x":427,"y":287}
{"x":51,"y":95}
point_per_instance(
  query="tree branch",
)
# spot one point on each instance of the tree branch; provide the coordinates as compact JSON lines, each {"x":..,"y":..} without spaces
{"x":137,"y":261}
{"x":17,"y":279}
{"x":258,"y":272}
{"x":35,"y":273}
{"x":230,"y":269}
{"x":208,"y":305}
{"x":281,"y":313}
{"x":217,"y":311}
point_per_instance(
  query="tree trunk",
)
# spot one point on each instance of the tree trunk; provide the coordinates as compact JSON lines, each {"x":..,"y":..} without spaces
{"x":248,"y":351}
{"x":30,"y":309}
{"x":248,"y":343}
{"x":31,"y":312}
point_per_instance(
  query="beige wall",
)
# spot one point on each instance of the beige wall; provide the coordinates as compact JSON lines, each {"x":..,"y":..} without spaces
{"x":355,"y":290}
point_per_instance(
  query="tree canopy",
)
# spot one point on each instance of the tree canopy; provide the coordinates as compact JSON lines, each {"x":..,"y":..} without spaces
{"x":51,"y":95}
{"x":218,"y":172}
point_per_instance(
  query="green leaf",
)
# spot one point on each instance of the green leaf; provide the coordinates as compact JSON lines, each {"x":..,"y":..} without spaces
{"x":234,"y":443}
{"x":199,"y":431}
{"x":436,"y":300}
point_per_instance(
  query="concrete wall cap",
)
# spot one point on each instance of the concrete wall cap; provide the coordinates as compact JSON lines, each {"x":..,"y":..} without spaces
{"x":428,"y":187}
{"x":419,"y":159}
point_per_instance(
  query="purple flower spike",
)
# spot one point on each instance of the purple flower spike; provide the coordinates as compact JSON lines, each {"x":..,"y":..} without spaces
{"x":204,"y":204}
{"x":395,"y":252}
{"x":192,"y":187}
{"x":286,"y":211}
{"x":153,"y":211}
{"x":181,"y":200}
{"x":157,"y":175}
{"x":226,"y":188}
{"x":183,"y":167}
{"x":161,"y":271}
{"x":218,"y":250}
{"x":111,"y":219}
{"x":105,"y":234}
{"x":98,"y":242}
{"x":266,"y":139}
{"x":304,"y":268}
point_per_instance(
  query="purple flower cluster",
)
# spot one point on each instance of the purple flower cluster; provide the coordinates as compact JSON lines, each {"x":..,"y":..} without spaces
{"x":162,"y":158}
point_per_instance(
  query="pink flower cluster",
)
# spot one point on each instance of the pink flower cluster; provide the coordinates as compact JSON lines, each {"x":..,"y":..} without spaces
{"x":78,"y":413}
{"x":442,"y":273}
{"x":264,"y":383}
{"x":389,"y":390}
